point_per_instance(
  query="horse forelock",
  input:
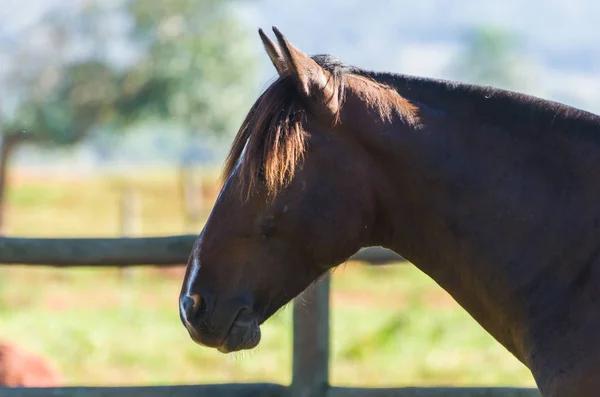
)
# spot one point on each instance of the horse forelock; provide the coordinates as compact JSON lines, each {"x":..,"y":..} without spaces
{"x":270,"y":141}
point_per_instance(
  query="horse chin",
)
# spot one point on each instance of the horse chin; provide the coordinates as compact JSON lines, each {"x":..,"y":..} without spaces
{"x":243,"y":335}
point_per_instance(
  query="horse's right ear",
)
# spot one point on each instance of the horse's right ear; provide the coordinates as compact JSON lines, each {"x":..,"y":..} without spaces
{"x":313,"y":82}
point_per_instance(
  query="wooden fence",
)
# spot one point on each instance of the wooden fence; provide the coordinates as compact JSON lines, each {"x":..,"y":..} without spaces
{"x":310,"y":368}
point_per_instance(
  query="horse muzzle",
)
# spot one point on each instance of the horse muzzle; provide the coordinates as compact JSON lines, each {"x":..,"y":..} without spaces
{"x":227,"y":329}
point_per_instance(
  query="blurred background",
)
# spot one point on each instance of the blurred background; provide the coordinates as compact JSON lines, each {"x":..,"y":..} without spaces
{"x":116,"y":115}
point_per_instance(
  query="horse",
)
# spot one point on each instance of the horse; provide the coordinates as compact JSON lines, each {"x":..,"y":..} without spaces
{"x":493,"y":194}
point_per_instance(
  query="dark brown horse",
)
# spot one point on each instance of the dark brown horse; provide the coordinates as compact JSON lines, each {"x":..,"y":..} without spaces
{"x":494,"y":194}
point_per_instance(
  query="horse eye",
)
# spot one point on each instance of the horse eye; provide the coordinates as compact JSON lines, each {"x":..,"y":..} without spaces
{"x":268,"y":227}
{"x":261,"y":174}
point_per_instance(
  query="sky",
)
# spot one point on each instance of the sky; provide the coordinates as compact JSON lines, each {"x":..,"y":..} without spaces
{"x":559,"y":38}
{"x":561,"y":34}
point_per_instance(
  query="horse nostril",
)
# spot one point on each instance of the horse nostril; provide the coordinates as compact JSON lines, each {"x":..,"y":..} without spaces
{"x":194,"y":307}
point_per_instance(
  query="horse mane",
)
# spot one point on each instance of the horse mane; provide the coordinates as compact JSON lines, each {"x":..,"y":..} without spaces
{"x":272,"y":141}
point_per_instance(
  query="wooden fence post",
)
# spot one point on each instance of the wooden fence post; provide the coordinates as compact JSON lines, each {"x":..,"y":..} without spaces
{"x":130,"y":220}
{"x":191,"y":194}
{"x":310,"y":367}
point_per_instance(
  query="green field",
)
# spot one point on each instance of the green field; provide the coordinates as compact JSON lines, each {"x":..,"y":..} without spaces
{"x":391,"y":325}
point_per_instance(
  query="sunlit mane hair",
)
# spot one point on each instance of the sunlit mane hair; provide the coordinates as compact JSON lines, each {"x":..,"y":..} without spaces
{"x":272,"y":141}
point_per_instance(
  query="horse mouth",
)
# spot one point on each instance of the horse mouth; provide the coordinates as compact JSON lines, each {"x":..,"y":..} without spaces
{"x":241,"y":337}
{"x":243,"y":334}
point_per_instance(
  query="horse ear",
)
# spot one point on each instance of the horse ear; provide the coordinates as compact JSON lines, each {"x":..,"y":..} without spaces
{"x":273,"y":52}
{"x":314,"y":83}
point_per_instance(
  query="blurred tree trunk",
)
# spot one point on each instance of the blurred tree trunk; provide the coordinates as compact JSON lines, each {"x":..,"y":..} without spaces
{"x":7,"y":146}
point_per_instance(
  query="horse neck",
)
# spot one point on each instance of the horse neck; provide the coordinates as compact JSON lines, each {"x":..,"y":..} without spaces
{"x":470,"y":195}
{"x":398,"y":153}
{"x":465,"y":143}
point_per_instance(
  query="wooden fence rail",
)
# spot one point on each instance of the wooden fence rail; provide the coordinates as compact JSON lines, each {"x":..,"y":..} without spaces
{"x":310,"y":370}
{"x":265,"y":390}
{"x":153,"y":251}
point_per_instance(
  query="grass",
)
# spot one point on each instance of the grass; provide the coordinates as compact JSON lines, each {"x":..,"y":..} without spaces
{"x":391,"y":325}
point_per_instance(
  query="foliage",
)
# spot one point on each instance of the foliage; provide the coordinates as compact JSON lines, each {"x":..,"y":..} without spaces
{"x":107,"y":66}
{"x":97,"y":66}
{"x":197,"y":64}
{"x":490,"y":56}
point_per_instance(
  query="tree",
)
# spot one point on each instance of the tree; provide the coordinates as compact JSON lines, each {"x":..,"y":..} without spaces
{"x":181,"y":61}
{"x":490,"y":56}
{"x":198,"y":54}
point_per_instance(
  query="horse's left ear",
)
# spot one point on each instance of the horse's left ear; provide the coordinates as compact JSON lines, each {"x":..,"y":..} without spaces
{"x":273,"y":52}
{"x":314,"y":83}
